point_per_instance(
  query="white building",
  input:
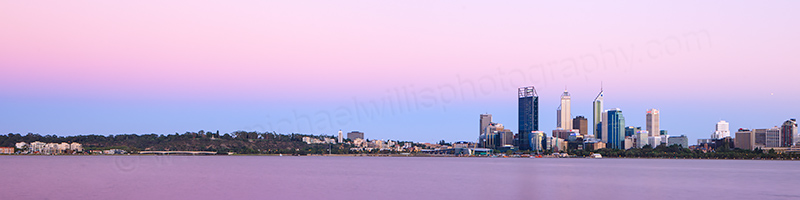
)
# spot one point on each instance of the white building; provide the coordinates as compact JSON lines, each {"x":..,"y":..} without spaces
{"x":21,"y":145}
{"x":37,"y":146}
{"x":76,"y":147}
{"x":641,"y":138}
{"x":722,"y":130}
{"x":682,"y":140}
{"x":536,"y":140}
{"x":653,"y":121}
{"x":654,"y":141}
{"x":564,"y":112}
{"x":340,"y":138}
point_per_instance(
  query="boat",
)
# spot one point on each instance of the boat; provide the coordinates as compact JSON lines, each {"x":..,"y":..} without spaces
{"x":596,"y":155}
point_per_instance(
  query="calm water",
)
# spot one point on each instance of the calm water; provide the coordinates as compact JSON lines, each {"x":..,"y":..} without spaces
{"x":264,"y":177}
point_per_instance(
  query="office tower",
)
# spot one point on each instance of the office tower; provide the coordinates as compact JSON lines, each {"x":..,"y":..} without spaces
{"x":535,"y":140}
{"x":613,"y":128}
{"x":597,"y":120}
{"x":581,"y":124}
{"x":528,"y":114}
{"x":486,"y":120}
{"x":768,"y":137}
{"x":641,"y":138}
{"x":745,"y":139}
{"x":340,"y":139}
{"x":353,"y":135}
{"x":721,"y":131}
{"x":653,"y":122}
{"x":564,"y":113}
{"x":789,"y":133}
{"x":630,"y":131}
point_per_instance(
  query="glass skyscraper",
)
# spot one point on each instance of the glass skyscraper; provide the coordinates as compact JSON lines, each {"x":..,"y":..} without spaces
{"x":528,"y":115}
{"x":613,"y":128}
{"x":597,"y":121}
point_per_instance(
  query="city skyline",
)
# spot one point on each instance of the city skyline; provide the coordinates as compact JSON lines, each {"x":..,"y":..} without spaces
{"x":141,"y":68}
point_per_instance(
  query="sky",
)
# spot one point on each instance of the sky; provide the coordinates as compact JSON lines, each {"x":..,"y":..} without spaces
{"x":400,"y":70}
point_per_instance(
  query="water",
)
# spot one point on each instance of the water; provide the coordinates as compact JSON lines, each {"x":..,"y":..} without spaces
{"x":269,"y":177}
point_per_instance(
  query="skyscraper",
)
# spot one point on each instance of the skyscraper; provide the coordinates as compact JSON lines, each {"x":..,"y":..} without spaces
{"x":613,"y":128}
{"x":564,"y":113}
{"x":340,"y":139}
{"x":581,"y":124}
{"x":722,"y":130}
{"x":486,"y":120}
{"x":528,"y":114}
{"x":597,"y":105}
{"x":788,"y":133}
{"x":653,"y":122}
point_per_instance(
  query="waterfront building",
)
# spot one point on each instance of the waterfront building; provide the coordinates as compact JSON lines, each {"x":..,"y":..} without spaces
{"x":597,"y":120}
{"x":631,"y":131}
{"x":37,"y":146}
{"x":76,"y":147}
{"x":582,"y":124}
{"x":653,"y":122}
{"x":682,"y":140}
{"x":722,"y":130}
{"x":564,"y":112}
{"x":352,"y":135}
{"x":745,"y":139}
{"x":556,"y":144}
{"x":6,"y":150}
{"x":641,"y":138}
{"x":613,"y":128}
{"x":528,"y":113}
{"x":21,"y":145}
{"x":536,"y":139}
{"x":789,"y":133}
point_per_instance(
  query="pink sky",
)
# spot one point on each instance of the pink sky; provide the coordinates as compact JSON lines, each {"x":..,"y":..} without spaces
{"x":325,"y":53}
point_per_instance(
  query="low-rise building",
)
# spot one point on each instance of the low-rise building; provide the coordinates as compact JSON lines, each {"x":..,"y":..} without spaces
{"x":682,"y":141}
{"x":6,"y":150}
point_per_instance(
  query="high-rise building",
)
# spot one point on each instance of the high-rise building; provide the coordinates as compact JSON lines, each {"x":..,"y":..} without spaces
{"x":581,"y":124}
{"x":653,"y":122}
{"x":789,"y":133}
{"x":355,"y":135}
{"x":340,"y":139}
{"x":630,"y":131}
{"x":486,"y":120}
{"x":564,"y":112}
{"x":745,"y":139}
{"x":597,"y":120}
{"x":528,"y":113}
{"x":613,"y":128}
{"x":722,"y":130}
